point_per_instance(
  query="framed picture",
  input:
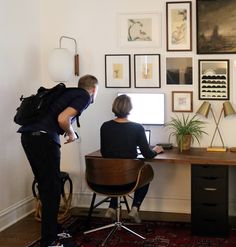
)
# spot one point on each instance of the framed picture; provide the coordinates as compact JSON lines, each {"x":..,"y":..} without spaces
{"x":147,"y":71}
{"x":179,"y":26}
{"x":140,"y":30}
{"x":117,"y":71}
{"x":182,"y":101}
{"x":179,"y":71}
{"x":213,"y":79}
{"x":216,"y":33}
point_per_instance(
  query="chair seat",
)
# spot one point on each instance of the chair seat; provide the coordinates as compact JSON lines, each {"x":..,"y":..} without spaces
{"x":113,"y":190}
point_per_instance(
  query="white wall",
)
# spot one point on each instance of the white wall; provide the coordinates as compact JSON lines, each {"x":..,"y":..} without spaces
{"x":28,"y":34}
{"x":20,"y":72}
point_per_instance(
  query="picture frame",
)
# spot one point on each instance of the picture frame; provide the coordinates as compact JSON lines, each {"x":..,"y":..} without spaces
{"x":147,"y":72}
{"x":179,"y":26}
{"x":213,"y":79}
{"x":182,"y":101}
{"x":179,"y":71}
{"x":117,"y":71}
{"x":140,"y":29}
{"x":212,"y":19}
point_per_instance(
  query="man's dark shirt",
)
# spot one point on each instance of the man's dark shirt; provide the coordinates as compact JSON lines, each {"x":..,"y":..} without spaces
{"x":120,"y":140}
{"x":76,"y":98}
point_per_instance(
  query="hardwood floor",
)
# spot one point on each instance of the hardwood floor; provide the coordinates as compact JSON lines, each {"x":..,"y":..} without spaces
{"x":27,"y":230}
{"x":21,"y":233}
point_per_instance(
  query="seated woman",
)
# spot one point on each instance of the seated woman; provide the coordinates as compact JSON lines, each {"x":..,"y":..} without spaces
{"x":120,"y":138}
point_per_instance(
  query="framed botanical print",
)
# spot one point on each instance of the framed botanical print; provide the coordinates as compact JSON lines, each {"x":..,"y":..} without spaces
{"x":179,"y":71}
{"x":147,"y":71}
{"x":182,"y":101}
{"x":140,"y":29}
{"x":213,"y":79}
{"x":117,"y":71}
{"x":216,"y":33}
{"x":179,"y":26}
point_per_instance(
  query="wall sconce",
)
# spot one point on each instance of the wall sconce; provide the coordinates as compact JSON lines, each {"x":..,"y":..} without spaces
{"x":62,"y":64}
{"x":227,"y":109}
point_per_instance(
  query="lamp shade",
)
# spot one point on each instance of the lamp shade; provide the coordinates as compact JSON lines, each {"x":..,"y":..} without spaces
{"x":61,"y":65}
{"x":228,"y":109}
{"x":204,"y":109}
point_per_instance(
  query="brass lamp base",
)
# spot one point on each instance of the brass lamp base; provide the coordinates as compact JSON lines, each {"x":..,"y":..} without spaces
{"x":216,"y":149}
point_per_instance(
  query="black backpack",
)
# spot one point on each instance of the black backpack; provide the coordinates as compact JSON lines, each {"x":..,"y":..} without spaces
{"x":34,"y":107}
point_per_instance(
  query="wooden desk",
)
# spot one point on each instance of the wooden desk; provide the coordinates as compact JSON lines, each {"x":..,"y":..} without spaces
{"x":209,"y":186}
{"x":193,"y":156}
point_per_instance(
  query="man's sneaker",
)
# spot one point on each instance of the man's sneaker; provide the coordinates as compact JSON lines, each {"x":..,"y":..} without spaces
{"x":64,"y":240}
{"x":134,"y":215}
{"x":111,"y":213}
{"x":63,"y":235}
{"x":54,"y":244}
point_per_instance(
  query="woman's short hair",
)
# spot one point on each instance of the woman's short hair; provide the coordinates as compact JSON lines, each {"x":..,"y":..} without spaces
{"x":122,"y":106}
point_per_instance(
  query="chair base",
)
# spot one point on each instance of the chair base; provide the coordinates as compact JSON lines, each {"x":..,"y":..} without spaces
{"x":116,"y":225}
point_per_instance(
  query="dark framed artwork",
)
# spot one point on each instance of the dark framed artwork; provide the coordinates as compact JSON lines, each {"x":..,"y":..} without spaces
{"x":179,"y":26}
{"x":179,"y":71}
{"x":147,"y":72}
{"x":213,"y":79}
{"x":117,"y":71}
{"x":182,"y":101}
{"x":216,"y":32}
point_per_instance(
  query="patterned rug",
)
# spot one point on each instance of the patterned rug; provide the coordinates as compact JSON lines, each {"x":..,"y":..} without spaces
{"x":157,"y":234}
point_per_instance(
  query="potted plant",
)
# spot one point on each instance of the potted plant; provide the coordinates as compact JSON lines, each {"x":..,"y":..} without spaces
{"x":185,"y":130}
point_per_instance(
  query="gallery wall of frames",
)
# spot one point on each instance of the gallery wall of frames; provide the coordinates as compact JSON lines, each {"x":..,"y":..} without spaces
{"x":214,"y":36}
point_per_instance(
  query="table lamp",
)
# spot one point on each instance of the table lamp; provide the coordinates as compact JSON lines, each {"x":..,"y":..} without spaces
{"x":227,"y":109}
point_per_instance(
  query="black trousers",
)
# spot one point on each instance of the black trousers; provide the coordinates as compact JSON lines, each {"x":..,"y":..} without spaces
{"x":139,"y":196}
{"x":44,"y":158}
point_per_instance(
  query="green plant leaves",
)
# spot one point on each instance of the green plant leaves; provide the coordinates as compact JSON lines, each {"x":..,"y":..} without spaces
{"x":185,"y":125}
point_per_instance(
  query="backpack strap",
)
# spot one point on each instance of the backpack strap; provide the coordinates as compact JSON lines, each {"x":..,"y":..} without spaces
{"x":77,"y":121}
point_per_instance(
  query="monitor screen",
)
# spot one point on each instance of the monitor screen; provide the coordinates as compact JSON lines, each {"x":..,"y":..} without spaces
{"x":148,"y":108}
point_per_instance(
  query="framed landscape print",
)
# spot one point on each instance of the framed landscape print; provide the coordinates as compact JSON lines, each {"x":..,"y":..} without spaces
{"x":182,"y":101}
{"x":179,"y":71}
{"x":117,"y":71}
{"x":214,"y":79}
{"x":147,"y":70}
{"x":179,"y":26}
{"x":140,"y":30}
{"x":216,"y":32}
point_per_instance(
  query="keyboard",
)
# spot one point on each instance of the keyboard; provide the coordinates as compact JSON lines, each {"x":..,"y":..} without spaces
{"x":165,"y":145}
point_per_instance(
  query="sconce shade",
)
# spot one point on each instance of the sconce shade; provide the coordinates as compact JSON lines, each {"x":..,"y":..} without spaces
{"x":204,"y":109}
{"x":61,"y":64}
{"x":228,"y":109}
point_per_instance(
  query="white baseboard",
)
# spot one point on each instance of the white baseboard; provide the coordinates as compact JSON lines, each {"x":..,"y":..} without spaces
{"x":170,"y":205}
{"x":165,"y":205}
{"x":16,"y":212}
{"x":19,"y":210}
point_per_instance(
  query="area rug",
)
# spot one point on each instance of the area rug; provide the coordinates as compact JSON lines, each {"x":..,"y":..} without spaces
{"x":157,"y":234}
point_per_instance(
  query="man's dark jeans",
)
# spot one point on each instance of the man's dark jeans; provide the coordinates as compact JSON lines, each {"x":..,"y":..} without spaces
{"x":44,"y":158}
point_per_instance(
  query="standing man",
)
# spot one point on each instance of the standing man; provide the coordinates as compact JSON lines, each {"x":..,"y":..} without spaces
{"x":41,"y":143}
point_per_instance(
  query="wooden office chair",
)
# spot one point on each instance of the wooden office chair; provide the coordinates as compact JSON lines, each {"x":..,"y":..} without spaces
{"x":116,"y":178}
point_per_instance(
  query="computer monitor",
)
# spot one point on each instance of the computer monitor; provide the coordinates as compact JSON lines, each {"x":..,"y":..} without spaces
{"x":148,"y":108}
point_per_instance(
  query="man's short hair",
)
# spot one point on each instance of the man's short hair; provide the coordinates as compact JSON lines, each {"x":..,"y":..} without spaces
{"x":122,"y":106}
{"x":87,"y":82}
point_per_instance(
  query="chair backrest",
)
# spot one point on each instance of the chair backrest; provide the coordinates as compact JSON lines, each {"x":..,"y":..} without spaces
{"x":112,"y":172}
